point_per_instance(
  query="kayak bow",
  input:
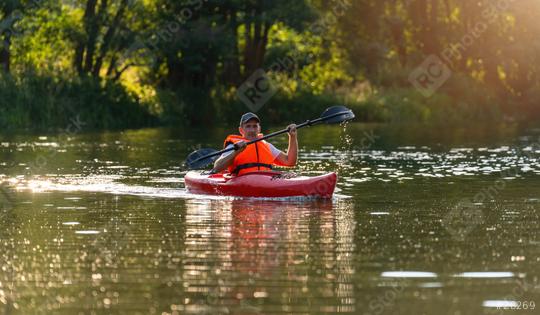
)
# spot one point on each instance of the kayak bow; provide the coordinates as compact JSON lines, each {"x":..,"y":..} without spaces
{"x":261,"y":184}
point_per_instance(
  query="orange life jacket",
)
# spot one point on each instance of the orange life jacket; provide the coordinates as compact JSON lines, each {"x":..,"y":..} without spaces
{"x":256,"y":157}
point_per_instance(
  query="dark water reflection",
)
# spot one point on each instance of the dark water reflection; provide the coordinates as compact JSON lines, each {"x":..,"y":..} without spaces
{"x":426,"y":221}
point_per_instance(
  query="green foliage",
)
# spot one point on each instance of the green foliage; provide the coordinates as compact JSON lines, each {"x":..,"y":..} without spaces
{"x":187,"y":104}
{"x":123,"y":62}
{"x":307,"y":62}
{"x":40,"y":102}
{"x":42,"y":36}
{"x":281,"y":108}
{"x":405,"y":105}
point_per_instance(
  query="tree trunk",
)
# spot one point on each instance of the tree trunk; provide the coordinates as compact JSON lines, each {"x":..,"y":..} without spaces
{"x":92,"y":30}
{"x":231,"y":67}
{"x":5,"y":42}
{"x":248,"y":56}
{"x":261,"y":46}
{"x":256,"y":40}
{"x":112,"y":66}
{"x":108,"y":38}
{"x":175,"y":73}
{"x":5,"y":53}
{"x":79,"y":54}
{"x":432,"y":36}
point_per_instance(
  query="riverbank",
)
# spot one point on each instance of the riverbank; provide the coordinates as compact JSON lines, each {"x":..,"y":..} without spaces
{"x":46,"y":103}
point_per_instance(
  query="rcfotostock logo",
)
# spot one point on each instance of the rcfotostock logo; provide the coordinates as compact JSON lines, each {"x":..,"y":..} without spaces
{"x":461,"y":220}
{"x":430,"y":75}
{"x":256,"y":90}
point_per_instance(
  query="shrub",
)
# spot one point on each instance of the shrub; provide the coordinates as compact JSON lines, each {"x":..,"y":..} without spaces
{"x":41,"y":102}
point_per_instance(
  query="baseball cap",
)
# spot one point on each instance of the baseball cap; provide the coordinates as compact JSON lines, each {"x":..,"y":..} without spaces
{"x":247,"y":116}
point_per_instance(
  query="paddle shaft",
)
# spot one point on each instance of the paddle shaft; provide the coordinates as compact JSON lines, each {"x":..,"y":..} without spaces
{"x":273,"y":134}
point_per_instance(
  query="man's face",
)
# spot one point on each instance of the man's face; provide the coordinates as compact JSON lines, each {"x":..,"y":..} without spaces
{"x":250,"y":129}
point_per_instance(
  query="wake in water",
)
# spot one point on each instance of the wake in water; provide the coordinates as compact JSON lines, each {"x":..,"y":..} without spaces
{"x":111,"y":184}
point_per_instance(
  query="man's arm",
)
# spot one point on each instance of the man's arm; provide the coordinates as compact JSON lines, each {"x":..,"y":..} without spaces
{"x":290,"y":158}
{"x":225,"y":161}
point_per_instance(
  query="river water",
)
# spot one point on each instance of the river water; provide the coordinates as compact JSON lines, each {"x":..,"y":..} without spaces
{"x":425,"y":220}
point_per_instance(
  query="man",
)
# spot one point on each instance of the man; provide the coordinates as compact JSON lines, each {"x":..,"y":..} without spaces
{"x":259,"y":156}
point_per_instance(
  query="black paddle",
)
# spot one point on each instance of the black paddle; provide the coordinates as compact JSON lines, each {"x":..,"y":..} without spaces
{"x":333,"y":115}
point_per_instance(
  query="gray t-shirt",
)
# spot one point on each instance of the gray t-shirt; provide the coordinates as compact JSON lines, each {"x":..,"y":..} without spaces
{"x":275,"y":151}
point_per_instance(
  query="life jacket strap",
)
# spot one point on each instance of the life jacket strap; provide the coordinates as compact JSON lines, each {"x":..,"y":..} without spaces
{"x":249,"y":165}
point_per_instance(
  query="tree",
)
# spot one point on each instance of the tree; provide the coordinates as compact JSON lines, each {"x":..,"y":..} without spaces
{"x":10,"y":14}
{"x":107,"y":32}
{"x":221,"y":39}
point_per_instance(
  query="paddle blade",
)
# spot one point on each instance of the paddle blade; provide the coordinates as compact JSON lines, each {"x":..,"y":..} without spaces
{"x":337,"y":114}
{"x":201,"y":158}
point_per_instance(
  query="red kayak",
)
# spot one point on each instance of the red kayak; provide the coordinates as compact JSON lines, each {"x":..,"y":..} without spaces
{"x":261,"y":184}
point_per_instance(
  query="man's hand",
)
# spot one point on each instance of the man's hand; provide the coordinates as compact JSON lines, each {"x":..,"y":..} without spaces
{"x":290,"y":158}
{"x":240,"y":146}
{"x":225,"y":161}
{"x":292,"y":130}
